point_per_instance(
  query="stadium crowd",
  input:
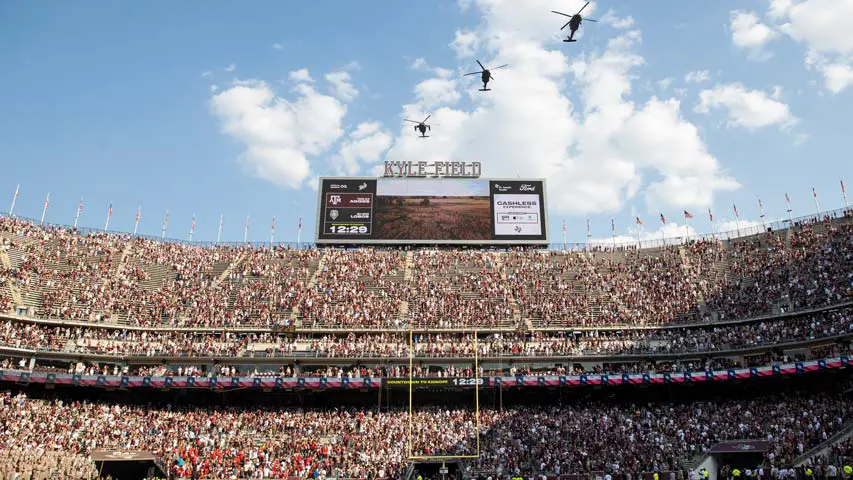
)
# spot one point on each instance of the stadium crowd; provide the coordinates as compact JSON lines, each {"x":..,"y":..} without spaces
{"x":280,"y":442}
{"x":131,"y":342}
{"x":142,"y":282}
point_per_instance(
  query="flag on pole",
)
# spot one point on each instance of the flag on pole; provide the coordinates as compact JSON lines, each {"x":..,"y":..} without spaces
{"x":246,"y":231}
{"x":564,"y":225}
{"x":272,"y":230}
{"x":638,"y":221}
{"x":612,"y":226}
{"x":734,"y":207}
{"x":165,"y":225}
{"x":844,"y":193}
{"x":814,"y":192}
{"x":192,"y":228}
{"x":662,"y":219}
{"x":109,"y":215}
{"x":816,"y":202}
{"x":588,"y":234}
{"x":79,"y":211}
{"x":687,"y":215}
{"x":788,"y":201}
{"x":299,"y":232}
{"x":219,"y":231}
{"x":46,"y":204}
{"x":136,"y":221}
{"x":14,"y":198}
{"x":761,"y":208}
{"x":711,"y":215}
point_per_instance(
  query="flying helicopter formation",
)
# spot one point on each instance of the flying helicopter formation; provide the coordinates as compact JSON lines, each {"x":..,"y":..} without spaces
{"x":486,"y":74}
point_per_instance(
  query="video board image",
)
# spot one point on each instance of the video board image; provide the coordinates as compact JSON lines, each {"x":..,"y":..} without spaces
{"x":451,"y":209}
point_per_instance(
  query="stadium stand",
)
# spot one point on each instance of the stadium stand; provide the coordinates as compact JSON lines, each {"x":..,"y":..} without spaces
{"x":115,"y":305}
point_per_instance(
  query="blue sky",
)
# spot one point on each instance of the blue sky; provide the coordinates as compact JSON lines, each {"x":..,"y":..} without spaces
{"x":113,"y":102}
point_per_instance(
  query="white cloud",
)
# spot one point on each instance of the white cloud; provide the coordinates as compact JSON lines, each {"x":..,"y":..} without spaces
{"x":823,"y":28}
{"x":301,"y":75}
{"x":749,"y":33}
{"x":621,"y":23}
{"x":230,"y":68}
{"x":433,"y":92}
{"x":277,"y":46}
{"x":365,"y":144}
{"x":698,"y":76}
{"x":279,"y":134}
{"x":465,"y":43}
{"x":214,"y":88}
{"x":595,"y":154}
{"x":652,"y":232}
{"x":206,"y":74}
{"x":341,"y":86}
{"x":665,"y":83}
{"x":750,"y":109}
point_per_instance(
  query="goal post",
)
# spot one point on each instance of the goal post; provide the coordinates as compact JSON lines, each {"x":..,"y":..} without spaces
{"x":477,"y":386}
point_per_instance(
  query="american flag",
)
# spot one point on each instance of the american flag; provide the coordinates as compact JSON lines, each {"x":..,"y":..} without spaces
{"x":110,"y":211}
{"x":662,"y":219}
{"x":687,"y":214}
{"x":710,"y":214}
{"x":638,"y":221}
{"x":80,"y":207}
{"x":814,"y":192}
{"x":47,"y":201}
{"x":735,"y":209}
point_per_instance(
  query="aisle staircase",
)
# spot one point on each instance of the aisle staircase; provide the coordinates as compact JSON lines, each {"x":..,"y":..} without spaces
{"x":410,"y":262}
{"x":6,"y":262}
{"x":225,"y":273}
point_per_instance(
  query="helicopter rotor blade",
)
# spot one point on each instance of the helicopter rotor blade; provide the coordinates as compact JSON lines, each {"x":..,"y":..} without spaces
{"x":481,"y":66}
{"x":566,"y":25}
{"x":412,"y":121}
{"x":561,"y":13}
{"x":579,"y":11}
{"x":589,"y":20}
{"x":502,"y":66}
{"x":474,"y":73}
{"x":424,"y":122}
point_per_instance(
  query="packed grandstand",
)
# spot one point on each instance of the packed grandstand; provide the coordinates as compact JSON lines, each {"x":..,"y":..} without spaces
{"x":89,"y":320}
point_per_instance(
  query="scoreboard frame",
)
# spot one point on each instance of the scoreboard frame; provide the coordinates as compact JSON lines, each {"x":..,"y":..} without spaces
{"x":321,"y":211}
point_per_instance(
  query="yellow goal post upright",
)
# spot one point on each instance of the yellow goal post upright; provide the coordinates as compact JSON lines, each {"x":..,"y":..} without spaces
{"x":477,"y":386}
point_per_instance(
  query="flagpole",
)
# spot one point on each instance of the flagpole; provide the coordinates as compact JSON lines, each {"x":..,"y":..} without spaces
{"x":588,"y":234}
{"x":713,"y":228}
{"x":246,"y":231}
{"x":761,"y":209}
{"x":844,"y":194}
{"x":272,"y":231}
{"x":109,"y":214}
{"x":219,"y":232}
{"x":192,"y":228}
{"x":816,"y":203}
{"x":165,"y":225}
{"x":662,"y":228}
{"x":299,"y":234}
{"x":44,"y":210}
{"x":564,"y":234}
{"x":737,"y":219}
{"x":79,"y":210}
{"x":639,"y":230}
{"x":136,"y":222}
{"x":14,"y":198}
{"x":790,"y":219}
{"x":612,"y":237}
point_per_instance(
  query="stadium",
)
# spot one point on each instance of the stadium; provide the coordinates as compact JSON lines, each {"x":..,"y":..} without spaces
{"x":133,"y":357}
{"x":433,"y":323}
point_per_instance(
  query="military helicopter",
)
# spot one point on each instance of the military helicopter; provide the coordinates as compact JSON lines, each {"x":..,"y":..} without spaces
{"x":421,"y":126}
{"x":486,"y":75}
{"x":574,"y":22}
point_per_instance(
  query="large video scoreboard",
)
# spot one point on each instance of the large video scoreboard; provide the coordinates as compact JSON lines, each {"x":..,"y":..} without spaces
{"x":474,"y":211}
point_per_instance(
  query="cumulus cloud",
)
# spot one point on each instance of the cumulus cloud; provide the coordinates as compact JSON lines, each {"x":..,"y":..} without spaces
{"x":230,"y":68}
{"x":749,"y":33}
{"x":365,"y":144}
{"x":341,"y":86}
{"x":750,"y":109}
{"x":465,"y":43}
{"x":301,"y":75}
{"x":597,"y":153}
{"x":822,"y":27}
{"x":653,"y":232}
{"x":279,"y":134}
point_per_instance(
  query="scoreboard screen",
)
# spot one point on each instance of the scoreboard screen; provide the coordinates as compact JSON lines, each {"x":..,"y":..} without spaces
{"x":431,"y":211}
